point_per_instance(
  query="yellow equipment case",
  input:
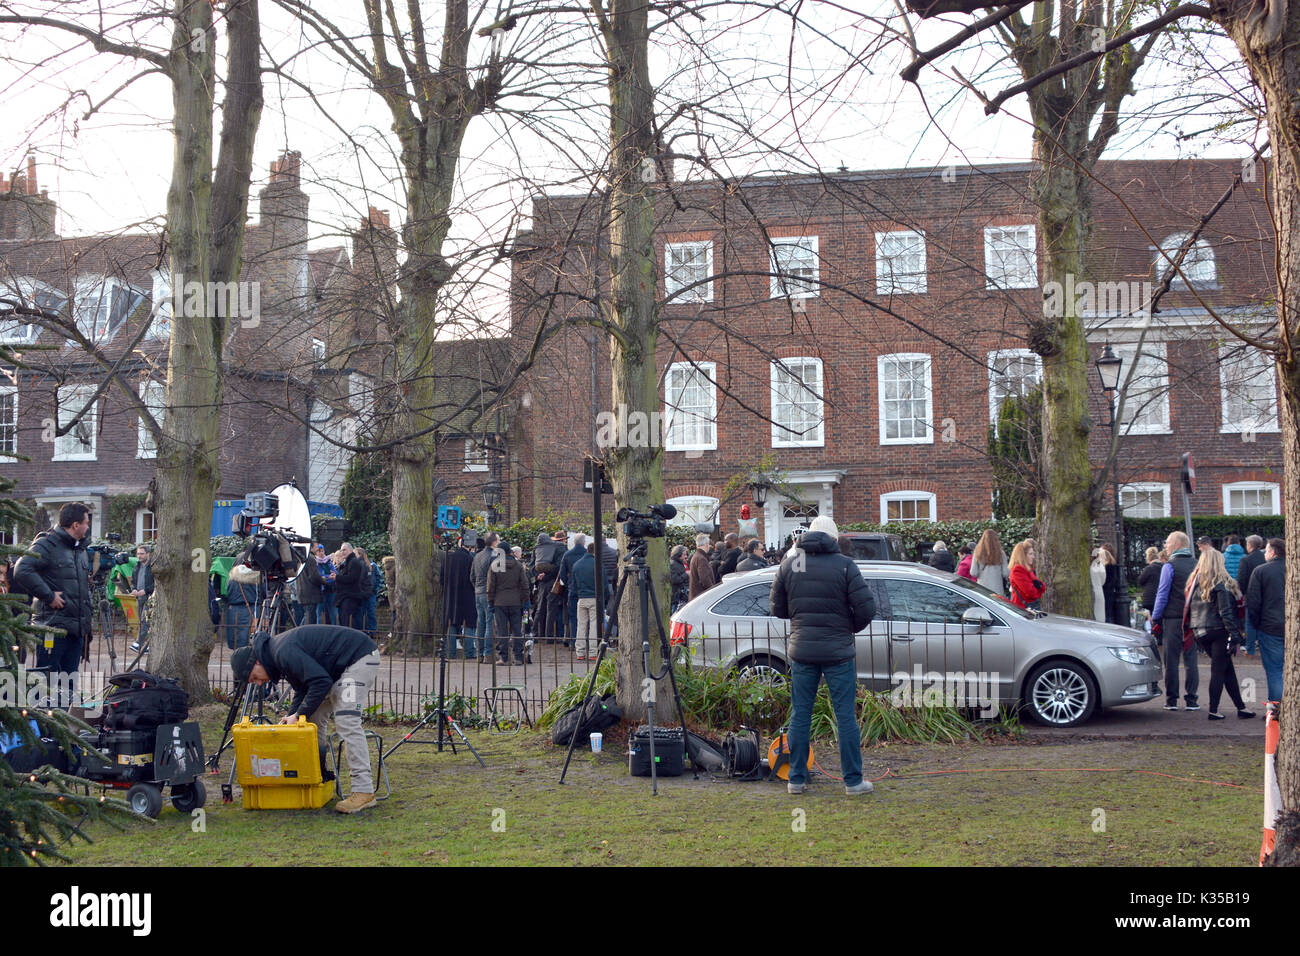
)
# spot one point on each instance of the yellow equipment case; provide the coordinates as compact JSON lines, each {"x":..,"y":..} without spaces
{"x":278,"y":766}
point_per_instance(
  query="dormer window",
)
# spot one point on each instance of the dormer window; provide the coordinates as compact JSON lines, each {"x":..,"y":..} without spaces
{"x":29,"y":293}
{"x":1199,"y":270}
{"x":101,"y":304}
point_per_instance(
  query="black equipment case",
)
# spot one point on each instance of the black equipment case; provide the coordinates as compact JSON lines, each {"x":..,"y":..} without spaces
{"x":670,"y":752}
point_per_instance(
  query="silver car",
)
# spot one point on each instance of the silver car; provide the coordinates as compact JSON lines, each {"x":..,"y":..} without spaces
{"x":938,"y":639}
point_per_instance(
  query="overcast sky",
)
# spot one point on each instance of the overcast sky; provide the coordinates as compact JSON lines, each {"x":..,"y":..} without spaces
{"x":111,"y":170}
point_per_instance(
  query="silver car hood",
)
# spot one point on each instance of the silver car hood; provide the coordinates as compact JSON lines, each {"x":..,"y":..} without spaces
{"x":1094,"y":631}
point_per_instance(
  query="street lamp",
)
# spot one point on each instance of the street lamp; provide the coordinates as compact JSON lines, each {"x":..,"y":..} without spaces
{"x":1108,"y":369}
{"x":491,"y":498}
{"x":758,"y":490}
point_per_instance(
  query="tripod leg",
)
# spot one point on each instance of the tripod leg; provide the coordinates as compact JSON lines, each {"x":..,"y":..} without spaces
{"x":413,"y":731}
{"x":600,"y":656}
{"x":666,"y":650}
{"x":456,"y":727}
{"x":643,"y":585}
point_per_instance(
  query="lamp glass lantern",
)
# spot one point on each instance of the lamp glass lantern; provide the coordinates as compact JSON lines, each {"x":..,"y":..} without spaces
{"x":491,"y":494}
{"x":1108,"y":368}
{"x":758,"y":491}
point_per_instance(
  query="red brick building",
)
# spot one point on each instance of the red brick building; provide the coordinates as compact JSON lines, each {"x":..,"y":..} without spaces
{"x":862,"y":328}
{"x":299,"y":352}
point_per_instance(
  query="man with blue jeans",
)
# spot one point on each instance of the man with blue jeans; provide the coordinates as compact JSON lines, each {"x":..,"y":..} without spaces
{"x":1167,"y":621}
{"x":478,"y":573}
{"x":1266,"y":608}
{"x":822,"y":593}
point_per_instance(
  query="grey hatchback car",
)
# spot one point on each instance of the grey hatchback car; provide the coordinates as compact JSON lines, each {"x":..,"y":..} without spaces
{"x":938,"y":638}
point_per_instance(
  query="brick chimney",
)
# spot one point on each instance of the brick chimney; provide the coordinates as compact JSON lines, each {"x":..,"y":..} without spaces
{"x":374,"y":250}
{"x":25,"y":213}
{"x":283,"y":209}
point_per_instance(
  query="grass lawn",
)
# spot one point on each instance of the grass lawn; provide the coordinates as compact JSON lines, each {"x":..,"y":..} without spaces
{"x":444,"y":807}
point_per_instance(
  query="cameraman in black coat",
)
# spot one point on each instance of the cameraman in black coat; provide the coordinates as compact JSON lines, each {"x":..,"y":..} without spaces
{"x":58,"y":575}
{"x":822,"y":593}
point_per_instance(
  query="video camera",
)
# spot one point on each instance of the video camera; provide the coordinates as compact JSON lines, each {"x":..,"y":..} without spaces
{"x":268,"y":548}
{"x":652,"y":525}
{"x":105,"y":557}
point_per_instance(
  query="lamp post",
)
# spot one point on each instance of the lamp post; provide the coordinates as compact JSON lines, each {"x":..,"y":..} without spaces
{"x":492,"y":498}
{"x":1108,"y":369}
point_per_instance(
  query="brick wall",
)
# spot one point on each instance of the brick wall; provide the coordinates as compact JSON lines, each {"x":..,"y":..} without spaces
{"x":957,"y":322}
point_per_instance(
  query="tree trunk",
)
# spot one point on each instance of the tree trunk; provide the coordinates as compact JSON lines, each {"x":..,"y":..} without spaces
{"x":1272,"y":52}
{"x":206,"y":244}
{"x":1061,"y":192}
{"x":636,"y":473}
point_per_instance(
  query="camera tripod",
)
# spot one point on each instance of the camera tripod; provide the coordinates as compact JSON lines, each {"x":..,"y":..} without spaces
{"x":446,"y":723}
{"x":636,"y":567}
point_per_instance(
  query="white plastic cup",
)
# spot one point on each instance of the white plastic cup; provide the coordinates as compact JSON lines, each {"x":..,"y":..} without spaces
{"x":596,"y":740}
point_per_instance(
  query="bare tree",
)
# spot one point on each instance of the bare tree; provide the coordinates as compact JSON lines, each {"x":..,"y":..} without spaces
{"x":206,"y":208}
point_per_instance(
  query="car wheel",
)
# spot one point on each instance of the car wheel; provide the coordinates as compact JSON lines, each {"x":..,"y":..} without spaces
{"x":1060,"y":694}
{"x":145,"y":799}
{"x":764,"y":670}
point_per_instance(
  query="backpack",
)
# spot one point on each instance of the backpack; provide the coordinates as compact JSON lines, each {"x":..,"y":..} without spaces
{"x":143,"y":701}
{"x":592,"y":715}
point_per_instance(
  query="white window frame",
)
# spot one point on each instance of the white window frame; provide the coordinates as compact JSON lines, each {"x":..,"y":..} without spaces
{"x":887,"y":282}
{"x":996,"y":260}
{"x":63,"y":396}
{"x":12,"y":390}
{"x":995,"y":357}
{"x":673,"y":284}
{"x":814,"y":392}
{"x":707,"y":371}
{"x":476,"y":456}
{"x":162,"y":306}
{"x":144,"y":443}
{"x":785,"y":285}
{"x":1146,"y":487}
{"x":1227,"y":426}
{"x":139,"y":526}
{"x":881,"y":362}
{"x":318,"y":352}
{"x":1272,"y":487}
{"x":11,"y":533}
{"x":689,"y":507}
{"x":1156,"y":351}
{"x":1200,"y":266}
{"x":908,"y":495}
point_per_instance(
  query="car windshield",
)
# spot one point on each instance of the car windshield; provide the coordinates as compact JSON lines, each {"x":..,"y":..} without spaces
{"x":1002,"y":603}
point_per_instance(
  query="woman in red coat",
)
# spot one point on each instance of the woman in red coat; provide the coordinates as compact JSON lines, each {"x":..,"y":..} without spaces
{"x":1026,"y":589}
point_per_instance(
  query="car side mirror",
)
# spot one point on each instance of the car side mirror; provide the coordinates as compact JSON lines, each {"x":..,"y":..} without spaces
{"x":978,"y":616}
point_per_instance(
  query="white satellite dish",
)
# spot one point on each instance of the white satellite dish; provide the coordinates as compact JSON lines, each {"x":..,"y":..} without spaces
{"x":294,"y":518}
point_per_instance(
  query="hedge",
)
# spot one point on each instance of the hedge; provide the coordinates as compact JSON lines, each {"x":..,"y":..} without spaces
{"x":919,"y":535}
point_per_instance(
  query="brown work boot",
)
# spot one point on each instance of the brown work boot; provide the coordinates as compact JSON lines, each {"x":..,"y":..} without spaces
{"x":356,"y":802}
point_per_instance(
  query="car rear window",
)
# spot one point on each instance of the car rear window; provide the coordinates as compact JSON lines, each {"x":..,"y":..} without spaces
{"x":754,"y":600}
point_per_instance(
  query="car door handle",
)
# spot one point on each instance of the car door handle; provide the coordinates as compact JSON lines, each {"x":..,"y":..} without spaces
{"x":905,"y":640}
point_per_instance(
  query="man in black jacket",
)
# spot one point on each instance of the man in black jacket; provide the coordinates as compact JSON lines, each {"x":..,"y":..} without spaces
{"x":349,"y":587}
{"x":728,"y":556}
{"x":1266,"y":609}
{"x":546,"y":565}
{"x":941,"y":558}
{"x":58,"y":575}
{"x":458,"y":601}
{"x":753,"y":559}
{"x":331,"y":670}
{"x":827,"y":602}
{"x":1253,"y":559}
